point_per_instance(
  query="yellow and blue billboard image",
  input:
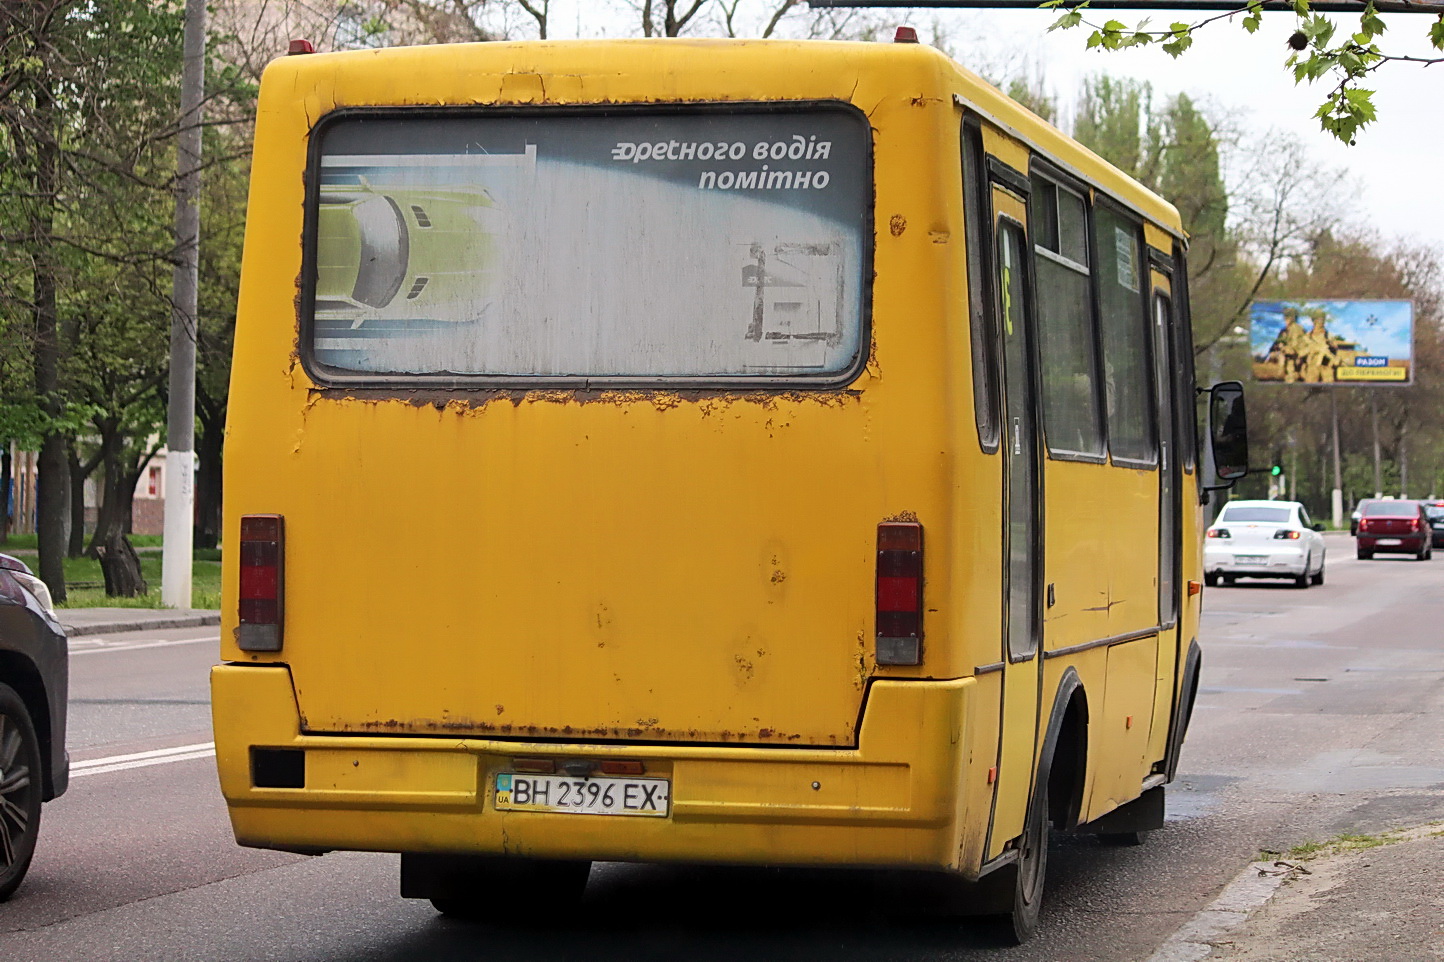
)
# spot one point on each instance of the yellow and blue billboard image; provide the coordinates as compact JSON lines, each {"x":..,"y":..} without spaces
{"x":1331,"y":342}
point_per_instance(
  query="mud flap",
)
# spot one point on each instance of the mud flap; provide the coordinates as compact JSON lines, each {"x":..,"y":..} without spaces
{"x":1143,"y":814}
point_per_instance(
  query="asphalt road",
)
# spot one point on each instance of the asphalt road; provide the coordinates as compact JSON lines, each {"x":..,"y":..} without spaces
{"x":1319,"y":715}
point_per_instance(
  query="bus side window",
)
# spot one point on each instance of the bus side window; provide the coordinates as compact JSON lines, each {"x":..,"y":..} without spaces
{"x":1186,"y":404}
{"x":1120,"y":276}
{"x":1072,"y":421}
{"x":980,"y":316}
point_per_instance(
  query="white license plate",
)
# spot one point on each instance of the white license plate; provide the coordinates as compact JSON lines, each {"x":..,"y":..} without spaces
{"x":1250,"y":559}
{"x":517,"y":792}
{"x":1389,"y":541}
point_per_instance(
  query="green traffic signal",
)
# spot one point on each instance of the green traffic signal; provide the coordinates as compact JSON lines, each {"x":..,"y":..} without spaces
{"x":1276,"y":470}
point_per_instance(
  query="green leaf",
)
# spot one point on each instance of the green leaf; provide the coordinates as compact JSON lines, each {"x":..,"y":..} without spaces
{"x":1179,"y":43}
{"x":1094,"y":39}
{"x":1362,"y":101}
{"x":1067,"y":21}
{"x":1370,"y":19}
{"x":1252,"y":21}
{"x":1436,"y":33}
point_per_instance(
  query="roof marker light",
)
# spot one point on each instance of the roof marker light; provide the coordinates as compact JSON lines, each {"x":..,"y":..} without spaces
{"x":905,"y":35}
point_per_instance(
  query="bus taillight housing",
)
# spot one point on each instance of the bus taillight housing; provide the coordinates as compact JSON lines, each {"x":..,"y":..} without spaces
{"x":263,"y":582}
{"x":899,"y":593}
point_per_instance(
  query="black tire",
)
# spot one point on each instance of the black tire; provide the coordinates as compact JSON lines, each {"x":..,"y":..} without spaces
{"x":1026,"y":876}
{"x":20,"y":788}
{"x":515,"y":891}
{"x":1364,"y":554}
{"x":1227,"y":580}
{"x":1210,"y":578}
{"x":1319,"y":578}
{"x":1303,"y":580}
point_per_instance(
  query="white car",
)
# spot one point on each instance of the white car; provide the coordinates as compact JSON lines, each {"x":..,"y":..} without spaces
{"x":1263,"y":539}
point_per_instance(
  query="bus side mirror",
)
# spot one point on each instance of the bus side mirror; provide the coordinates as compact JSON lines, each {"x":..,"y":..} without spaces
{"x":1228,"y":432}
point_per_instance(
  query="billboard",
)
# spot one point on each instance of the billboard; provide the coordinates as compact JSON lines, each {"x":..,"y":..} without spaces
{"x":1332,"y":342}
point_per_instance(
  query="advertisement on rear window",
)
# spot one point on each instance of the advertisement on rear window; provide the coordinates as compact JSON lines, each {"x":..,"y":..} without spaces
{"x":1332,"y":342}
{"x":634,"y":245}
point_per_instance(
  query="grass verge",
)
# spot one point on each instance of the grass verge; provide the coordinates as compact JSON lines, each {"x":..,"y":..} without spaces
{"x":1346,"y":843}
{"x":85,"y":582}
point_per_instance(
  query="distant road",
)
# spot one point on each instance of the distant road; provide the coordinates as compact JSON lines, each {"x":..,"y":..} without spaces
{"x":1319,"y":714}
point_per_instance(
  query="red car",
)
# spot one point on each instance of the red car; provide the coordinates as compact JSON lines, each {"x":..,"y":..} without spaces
{"x":1398,"y":527}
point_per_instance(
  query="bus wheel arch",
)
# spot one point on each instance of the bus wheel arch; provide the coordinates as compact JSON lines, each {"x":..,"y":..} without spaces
{"x":1183,"y":709}
{"x":1065,"y":751}
{"x":1016,"y":890}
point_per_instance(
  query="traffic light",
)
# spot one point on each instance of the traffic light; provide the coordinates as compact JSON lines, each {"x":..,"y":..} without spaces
{"x":1276,"y":470}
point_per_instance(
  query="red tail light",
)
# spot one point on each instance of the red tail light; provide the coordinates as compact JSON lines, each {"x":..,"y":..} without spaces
{"x":262,"y":582}
{"x":899,"y":593}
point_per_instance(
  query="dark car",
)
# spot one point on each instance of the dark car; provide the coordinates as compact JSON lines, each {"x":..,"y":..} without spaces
{"x":34,"y":677}
{"x":1435,"y":511}
{"x":1396,"y":527}
{"x":1358,"y":513}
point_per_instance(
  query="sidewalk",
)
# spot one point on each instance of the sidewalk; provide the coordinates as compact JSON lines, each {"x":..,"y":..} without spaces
{"x":100,"y":621}
{"x":1380,"y":904}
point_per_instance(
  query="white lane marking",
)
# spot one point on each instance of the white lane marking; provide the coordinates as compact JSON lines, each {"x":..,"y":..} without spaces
{"x":92,"y":644}
{"x":160,"y":756}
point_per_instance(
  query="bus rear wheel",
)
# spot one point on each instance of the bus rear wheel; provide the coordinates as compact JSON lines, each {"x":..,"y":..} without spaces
{"x":1018,"y":888}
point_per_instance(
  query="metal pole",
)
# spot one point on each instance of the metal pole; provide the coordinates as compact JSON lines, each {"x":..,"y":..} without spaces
{"x":1338,"y":494}
{"x":175,"y":575}
{"x":1378,"y":470}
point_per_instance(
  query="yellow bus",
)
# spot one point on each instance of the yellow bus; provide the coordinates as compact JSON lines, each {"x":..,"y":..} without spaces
{"x":786,"y":458}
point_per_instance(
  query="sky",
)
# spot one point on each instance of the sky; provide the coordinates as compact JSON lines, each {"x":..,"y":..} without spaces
{"x":1394,"y":185}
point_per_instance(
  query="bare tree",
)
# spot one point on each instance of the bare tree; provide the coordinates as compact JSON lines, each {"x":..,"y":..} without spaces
{"x":1281,"y":201}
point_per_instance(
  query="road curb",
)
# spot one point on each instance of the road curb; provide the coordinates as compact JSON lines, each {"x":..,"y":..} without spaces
{"x":142,"y":624}
{"x":1250,"y":889}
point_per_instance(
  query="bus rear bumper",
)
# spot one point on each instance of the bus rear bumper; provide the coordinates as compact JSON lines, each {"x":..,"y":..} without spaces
{"x":896,"y":800}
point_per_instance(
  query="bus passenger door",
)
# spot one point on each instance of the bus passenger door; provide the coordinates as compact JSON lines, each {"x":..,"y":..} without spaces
{"x":1169,"y":512}
{"x":1022,"y":545}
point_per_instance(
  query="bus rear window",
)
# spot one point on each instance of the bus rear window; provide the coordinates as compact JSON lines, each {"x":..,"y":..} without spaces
{"x":1237,"y":514}
{"x":709,"y":244}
